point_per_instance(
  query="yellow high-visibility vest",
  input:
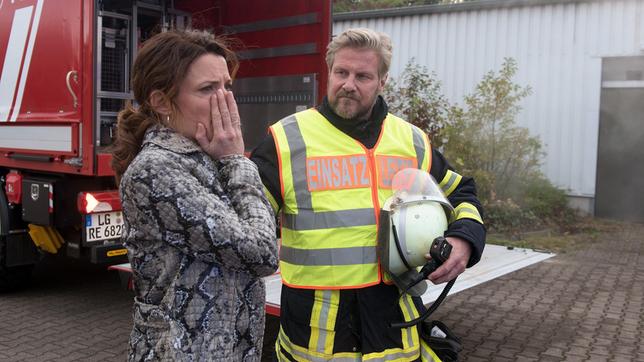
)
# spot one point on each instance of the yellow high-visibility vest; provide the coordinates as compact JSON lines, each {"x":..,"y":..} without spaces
{"x":333,"y":188}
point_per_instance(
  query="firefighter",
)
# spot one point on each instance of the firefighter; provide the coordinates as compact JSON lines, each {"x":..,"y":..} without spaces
{"x":327,"y":172}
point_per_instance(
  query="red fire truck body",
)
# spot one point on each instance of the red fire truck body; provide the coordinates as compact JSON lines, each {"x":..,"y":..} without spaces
{"x":65,"y":75}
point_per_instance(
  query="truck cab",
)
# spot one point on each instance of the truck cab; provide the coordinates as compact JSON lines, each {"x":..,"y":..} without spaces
{"x":65,"y":77}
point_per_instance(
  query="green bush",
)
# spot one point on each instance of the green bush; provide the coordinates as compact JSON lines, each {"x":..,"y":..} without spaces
{"x":482,"y":140}
{"x":541,"y":197}
{"x":507,"y":217}
{"x":549,"y":203}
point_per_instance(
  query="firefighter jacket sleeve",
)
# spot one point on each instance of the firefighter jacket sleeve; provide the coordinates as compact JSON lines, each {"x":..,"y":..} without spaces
{"x":265,"y":157}
{"x":461,"y":193}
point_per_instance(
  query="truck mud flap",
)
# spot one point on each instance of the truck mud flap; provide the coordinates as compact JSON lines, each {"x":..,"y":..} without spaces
{"x":112,"y":254}
{"x":20,"y":250}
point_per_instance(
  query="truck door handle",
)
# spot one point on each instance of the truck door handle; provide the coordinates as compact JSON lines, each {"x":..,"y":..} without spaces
{"x":72,"y":75}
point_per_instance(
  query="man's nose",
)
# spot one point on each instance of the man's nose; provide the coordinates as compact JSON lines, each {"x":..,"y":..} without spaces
{"x":349,"y":84}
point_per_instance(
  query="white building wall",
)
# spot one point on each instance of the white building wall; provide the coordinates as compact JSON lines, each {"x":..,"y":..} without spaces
{"x":559,"y":48}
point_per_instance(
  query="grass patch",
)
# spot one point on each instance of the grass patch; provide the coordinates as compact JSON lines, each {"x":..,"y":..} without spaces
{"x":583,"y":232}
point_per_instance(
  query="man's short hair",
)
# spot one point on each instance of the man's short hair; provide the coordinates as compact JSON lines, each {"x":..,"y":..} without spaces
{"x":362,"y":38}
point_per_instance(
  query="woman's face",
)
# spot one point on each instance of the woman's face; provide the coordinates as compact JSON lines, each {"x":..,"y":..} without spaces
{"x":205,"y":75}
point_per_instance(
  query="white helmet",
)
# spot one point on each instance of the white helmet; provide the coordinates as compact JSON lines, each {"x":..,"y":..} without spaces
{"x":410,"y":220}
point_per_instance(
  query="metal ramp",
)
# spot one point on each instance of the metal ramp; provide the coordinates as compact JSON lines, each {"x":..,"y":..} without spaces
{"x":496,"y":261}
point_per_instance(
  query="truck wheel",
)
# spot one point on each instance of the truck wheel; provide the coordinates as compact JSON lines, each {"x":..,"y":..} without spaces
{"x":11,"y":277}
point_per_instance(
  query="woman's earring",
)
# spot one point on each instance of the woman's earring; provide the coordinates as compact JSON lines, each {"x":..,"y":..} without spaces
{"x":167,"y":120}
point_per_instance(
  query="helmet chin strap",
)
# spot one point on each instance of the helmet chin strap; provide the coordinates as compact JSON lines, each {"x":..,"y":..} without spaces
{"x":399,"y":248}
{"x":439,"y":251}
{"x":429,"y":310}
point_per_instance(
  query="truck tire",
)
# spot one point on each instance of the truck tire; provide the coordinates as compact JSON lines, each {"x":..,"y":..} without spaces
{"x":11,"y":277}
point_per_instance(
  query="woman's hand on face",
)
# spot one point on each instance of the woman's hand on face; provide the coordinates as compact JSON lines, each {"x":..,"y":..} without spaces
{"x":226,"y":127}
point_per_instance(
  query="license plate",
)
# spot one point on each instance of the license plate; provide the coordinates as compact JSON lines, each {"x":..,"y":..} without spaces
{"x":103,"y":226}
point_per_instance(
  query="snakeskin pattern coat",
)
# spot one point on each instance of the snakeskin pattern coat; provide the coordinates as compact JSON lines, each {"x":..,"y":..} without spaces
{"x":200,"y":236}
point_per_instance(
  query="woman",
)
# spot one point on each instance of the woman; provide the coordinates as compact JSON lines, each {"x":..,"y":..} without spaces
{"x":199,"y":232}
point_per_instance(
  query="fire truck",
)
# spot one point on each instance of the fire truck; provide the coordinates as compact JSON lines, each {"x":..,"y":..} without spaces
{"x":65,"y":76}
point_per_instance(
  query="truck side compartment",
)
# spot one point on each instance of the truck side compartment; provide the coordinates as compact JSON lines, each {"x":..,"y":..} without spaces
{"x":65,"y":77}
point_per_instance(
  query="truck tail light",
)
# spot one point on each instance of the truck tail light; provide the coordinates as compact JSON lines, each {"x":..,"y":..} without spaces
{"x":13,"y":187}
{"x":100,"y":201}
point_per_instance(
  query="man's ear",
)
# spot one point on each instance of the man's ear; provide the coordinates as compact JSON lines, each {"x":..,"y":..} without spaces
{"x":383,"y":81}
{"x":160,"y":103}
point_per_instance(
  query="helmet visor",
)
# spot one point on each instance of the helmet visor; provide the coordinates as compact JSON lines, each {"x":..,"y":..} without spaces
{"x":414,"y":185}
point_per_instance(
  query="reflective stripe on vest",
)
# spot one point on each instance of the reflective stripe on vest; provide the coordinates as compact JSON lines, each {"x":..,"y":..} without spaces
{"x":333,"y":256}
{"x":332,"y":189}
{"x":419,"y":146}
{"x":306,"y":219}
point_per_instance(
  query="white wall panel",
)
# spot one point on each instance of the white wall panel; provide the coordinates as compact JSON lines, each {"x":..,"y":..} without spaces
{"x":558,"y":47}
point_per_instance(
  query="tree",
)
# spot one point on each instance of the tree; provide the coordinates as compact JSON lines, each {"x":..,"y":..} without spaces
{"x":417,"y":98}
{"x":486,"y":140}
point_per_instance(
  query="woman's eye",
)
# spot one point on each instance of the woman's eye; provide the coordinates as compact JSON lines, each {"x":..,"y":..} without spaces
{"x":229,"y":87}
{"x":207,"y":88}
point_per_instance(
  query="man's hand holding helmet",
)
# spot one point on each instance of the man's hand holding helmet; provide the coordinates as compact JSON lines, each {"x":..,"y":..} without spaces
{"x":455,"y":264}
{"x":412,"y":219}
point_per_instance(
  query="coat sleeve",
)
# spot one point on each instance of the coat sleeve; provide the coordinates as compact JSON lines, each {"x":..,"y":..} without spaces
{"x":461,"y":193}
{"x":198,"y":220}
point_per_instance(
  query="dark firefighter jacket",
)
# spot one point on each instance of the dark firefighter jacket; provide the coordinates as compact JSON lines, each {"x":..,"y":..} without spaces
{"x":367,"y":133}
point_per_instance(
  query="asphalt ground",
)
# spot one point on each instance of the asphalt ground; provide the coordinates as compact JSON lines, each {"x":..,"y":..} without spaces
{"x":583,"y":305}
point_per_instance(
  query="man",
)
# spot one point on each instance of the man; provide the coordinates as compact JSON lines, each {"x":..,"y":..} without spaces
{"x":327,"y":171}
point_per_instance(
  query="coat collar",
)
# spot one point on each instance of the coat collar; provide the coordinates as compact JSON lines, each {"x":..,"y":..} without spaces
{"x":169,"y":139}
{"x":365,"y":131}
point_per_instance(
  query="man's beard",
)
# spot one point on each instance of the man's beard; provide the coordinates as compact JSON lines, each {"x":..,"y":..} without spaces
{"x":352,"y":113}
